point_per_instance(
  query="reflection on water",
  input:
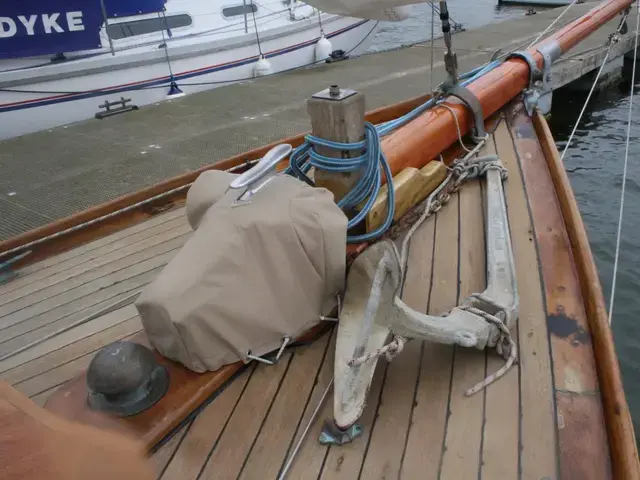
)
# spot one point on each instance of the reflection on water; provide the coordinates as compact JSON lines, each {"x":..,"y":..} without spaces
{"x":594,"y":162}
{"x":418,"y":26}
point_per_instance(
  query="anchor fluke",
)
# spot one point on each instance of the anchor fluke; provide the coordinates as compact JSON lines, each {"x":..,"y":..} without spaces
{"x":460,"y":327}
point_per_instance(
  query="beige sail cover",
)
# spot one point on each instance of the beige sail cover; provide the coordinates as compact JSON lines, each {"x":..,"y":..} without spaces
{"x":251,"y":274}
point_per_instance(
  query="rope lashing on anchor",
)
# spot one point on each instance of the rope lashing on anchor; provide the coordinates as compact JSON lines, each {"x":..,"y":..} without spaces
{"x":460,"y":170}
{"x":390,"y":351}
{"x":510,"y":354}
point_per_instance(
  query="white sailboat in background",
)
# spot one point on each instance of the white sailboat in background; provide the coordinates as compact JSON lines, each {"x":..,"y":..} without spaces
{"x":64,"y":61}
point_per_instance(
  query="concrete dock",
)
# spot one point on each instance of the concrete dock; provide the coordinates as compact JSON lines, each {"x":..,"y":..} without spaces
{"x":49,"y":175}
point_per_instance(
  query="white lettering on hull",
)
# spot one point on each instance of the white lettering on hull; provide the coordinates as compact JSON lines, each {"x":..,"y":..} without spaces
{"x":28,"y":23}
{"x":7,"y":27}
{"x":50,"y":23}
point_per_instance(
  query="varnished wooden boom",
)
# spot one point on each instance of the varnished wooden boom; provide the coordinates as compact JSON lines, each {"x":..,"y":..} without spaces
{"x":422,"y":139}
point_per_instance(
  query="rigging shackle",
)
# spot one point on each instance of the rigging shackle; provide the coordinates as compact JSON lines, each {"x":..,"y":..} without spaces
{"x":450,"y":57}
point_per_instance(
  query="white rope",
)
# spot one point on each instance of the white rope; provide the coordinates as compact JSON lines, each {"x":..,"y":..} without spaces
{"x":455,"y":117}
{"x":593,"y":87}
{"x":287,"y":466}
{"x":624,"y":170}
{"x":552,"y":23}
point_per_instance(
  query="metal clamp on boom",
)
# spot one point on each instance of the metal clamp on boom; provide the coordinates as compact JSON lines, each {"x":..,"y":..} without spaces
{"x":262,"y":173}
{"x":472,"y":103}
{"x":535,"y":74}
{"x":539,"y":93}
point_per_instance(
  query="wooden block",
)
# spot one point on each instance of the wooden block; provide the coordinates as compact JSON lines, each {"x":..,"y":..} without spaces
{"x":411,"y":187}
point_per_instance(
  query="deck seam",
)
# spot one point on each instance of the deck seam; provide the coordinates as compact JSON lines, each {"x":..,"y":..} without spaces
{"x":66,"y":292}
{"x":224,"y":427}
{"x":57,"y":282}
{"x":175,"y":450}
{"x":315,"y":384}
{"x":324,"y":462}
{"x":4,"y":373}
{"x":517,"y":365}
{"x":66,"y":316}
{"x":421,"y":356}
{"x":266,"y":415}
{"x":375,"y":420}
{"x":133,"y":230}
{"x":517,"y":340}
{"x":443,"y":448}
{"x":543,"y":305}
{"x":91,"y":253}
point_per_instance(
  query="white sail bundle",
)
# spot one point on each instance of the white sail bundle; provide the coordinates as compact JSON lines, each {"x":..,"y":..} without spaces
{"x":387,"y":10}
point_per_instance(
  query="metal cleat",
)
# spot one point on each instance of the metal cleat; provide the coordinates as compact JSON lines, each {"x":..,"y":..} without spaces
{"x":372,"y":310}
{"x":251,"y":181}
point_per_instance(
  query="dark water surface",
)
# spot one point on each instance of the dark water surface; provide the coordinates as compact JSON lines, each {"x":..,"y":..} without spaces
{"x":594,"y":162}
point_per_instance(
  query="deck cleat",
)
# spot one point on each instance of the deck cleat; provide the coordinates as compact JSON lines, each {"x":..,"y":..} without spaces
{"x":333,"y":435}
{"x":124,"y":379}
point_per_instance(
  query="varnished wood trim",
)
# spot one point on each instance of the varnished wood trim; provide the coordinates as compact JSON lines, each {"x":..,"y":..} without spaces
{"x":580,"y":422}
{"x":622,"y":442}
{"x":137,"y":215}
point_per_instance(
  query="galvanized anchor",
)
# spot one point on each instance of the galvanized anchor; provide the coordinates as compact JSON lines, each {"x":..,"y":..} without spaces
{"x":373,"y":311}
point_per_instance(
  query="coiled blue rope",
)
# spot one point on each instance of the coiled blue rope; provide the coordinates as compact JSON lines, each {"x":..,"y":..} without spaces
{"x":368,"y":186}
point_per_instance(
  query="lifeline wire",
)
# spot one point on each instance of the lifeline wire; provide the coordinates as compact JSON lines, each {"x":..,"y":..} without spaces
{"x":624,"y":170}
{"x":557,"y":19}
{"x":593,"y":87}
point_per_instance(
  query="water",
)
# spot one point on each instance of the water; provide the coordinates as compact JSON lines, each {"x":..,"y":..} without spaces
{"x":418,"y":26}
{"x":594,"y":162}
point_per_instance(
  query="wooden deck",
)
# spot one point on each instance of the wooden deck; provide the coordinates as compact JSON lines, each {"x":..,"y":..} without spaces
{"x":543,"y":420}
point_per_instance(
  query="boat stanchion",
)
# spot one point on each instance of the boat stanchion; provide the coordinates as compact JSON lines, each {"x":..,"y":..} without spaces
{"x":124,"y":379}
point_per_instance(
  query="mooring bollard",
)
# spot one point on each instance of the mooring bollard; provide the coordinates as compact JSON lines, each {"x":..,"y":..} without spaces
{"x":337,"y":115}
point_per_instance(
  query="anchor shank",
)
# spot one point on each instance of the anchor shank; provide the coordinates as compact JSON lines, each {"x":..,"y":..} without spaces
{"x":501,"y":274}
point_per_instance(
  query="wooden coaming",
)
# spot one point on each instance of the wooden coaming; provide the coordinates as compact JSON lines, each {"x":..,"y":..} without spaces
{"x":622,"y":442}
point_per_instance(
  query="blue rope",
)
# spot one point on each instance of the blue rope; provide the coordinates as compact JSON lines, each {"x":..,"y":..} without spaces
{"x":368,"y":186}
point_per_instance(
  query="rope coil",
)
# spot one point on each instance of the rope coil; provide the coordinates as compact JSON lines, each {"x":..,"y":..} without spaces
{"x":368,"y":185}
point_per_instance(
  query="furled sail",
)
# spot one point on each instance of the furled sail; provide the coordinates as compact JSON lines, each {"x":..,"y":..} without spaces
{"x":388,"y":10}
{"x":40,"y":27}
